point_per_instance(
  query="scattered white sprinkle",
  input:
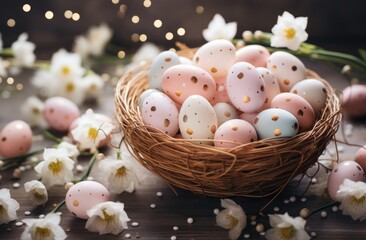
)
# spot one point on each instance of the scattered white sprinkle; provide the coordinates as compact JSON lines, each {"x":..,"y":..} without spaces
{"x":303,"y":199}
{"x":323,"y":214}
{"x":27,"y":213}
{"x":262,"y":233}
{"x":292,"y":199}
{"x":221,"y":89}
{"x":348,"y":132}
{"x":135,"y":224}
{"x":59,"y":213}
{"x":16,"y":185}
{"x":253,"y":223}
{"x":190,"y":220}
{"x":341,"y":148}
{"x":175,"y":228}
{"x":286,"y":201}
{"x":173,"y":237}
{"x":276,"y":209}
{"x":159,"y":194}
{"x":79,"y":168}
{"x":247,"y":235}
{"x":34,"y":159}
{"x":127,"y":235}
{"x":334,"y":208}
{"x":216,"y":211}
{"x":22,"y":168}
{"x":313,"y":234}
{"x":41,"y":216}
{"x":253,"y":217}
{"x":314,"y":180}
{"x":18,"y":224}
{"x":153,"y":205}
{"x":90,"y":178}
{"x":28,"y":167}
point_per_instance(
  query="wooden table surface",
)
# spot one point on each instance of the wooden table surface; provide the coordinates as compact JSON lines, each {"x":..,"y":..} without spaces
{"x":171,"y":209}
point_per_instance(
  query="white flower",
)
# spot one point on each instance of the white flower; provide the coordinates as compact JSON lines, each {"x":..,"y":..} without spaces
{"x":8,"y":207}
{"x":81,"y":46}
{"x":43,"y":229}
{"x":37,"y":191}
{"x":2,"y":68}
{"x":219,"y":29}
{"x":232,"y":218}
{"x":289,"y":31}
{"x":66,"y":65}
{"x":92,"y":85}
{"x":91,"y":131}
{"x":285,"y":227}
{"x":72,"y":89}
{"x":23,"y":50}
{"x":107,"y":217}
{"x":148,"y":51}
{"x":352,"y":196}
{"x":46,"y":82}
{"x":70,"y":150}
{"x":56,"y":168}
{"x":32,"y":112}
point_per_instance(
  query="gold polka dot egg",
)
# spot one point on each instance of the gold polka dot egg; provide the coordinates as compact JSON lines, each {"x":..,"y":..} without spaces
{"x":256,"y":55}
{"x":83,"y":196}
{"x":224,"y":112}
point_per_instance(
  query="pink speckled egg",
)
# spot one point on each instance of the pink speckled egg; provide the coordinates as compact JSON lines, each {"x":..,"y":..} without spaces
{"x":360,"y":157}
{"x":15,"y":139}
{"x":256,"y":55}
{"x":233,"y":133}
{"x":159,"y":111}
{"x":270,"y":85}
{"x":182,"y":81}
{"x":346,"y":169}
{"x":60,"y":112}
{"x":298,"y":106}
{"x":83,"y":196}
{"x":353,"y":100}
{"x":221,"y":92}
{"x":245,"y":87}
{"x":249,"y":117}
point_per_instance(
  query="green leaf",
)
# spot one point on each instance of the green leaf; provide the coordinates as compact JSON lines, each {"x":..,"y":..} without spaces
{"x":362,"y":53}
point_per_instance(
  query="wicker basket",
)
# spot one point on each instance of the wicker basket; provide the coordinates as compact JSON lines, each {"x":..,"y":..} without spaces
{"x":255,"y":169}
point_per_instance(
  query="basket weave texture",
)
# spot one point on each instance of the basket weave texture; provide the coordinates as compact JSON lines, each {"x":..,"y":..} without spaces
{"x":256,"y":169}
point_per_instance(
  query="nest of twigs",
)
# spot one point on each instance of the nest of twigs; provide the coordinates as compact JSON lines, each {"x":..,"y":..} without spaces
{"x":255,"y":169}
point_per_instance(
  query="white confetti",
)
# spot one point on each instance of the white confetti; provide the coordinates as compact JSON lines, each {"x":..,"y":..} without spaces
{"x":190,"y":220}
{"x":22,"y":168}
{"x":253,"y":223}
{"x":127,"y":235}
{"x":276,"y":209}
{"x":313,"y":234}
{"x":303,"y":199}
{"x":153,"y":205}
{"x":159,"y":194}
{"x":27,"y":213}
{"x":135,"y":224}
{"x":340,"y":148}
{"x":334,"y":208}
{"x":41,"y":216}
{"x":292,"y":199}
{"x":323,"y":214}
{"x":173,"y":237}
{"x":216,"y":211}
{"x":175,"y":228}
{"x":16,"y":185}
{"x":246,"y":235}
{"x":18,"y":224}
{"x":286,"y":201}
{"x":79,"y":168}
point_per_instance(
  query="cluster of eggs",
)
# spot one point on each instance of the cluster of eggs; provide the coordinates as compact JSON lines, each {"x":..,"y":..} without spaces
{"x":227,"y":97}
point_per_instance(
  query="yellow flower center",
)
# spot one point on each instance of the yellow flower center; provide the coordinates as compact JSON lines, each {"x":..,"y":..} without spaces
{"x":38,"y":195}
{"x":55,"y":167}
{"x":65,"y":70}
{"x":92,"y":133}
{"x":286,"y":233}
{"x":106,"y":216}
{"x":357,"y":201}
{"x":289,"y":33}
{"x":42,"y":233}
{"x":121,"y":172}
{"x":233,"y":221}
{"x":70,"y":87}
{"x":36,"y":111}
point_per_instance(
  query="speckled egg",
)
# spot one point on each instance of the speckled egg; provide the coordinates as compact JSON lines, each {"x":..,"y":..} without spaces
{"x":313,"y":91}
{"x":15,"y":139}
{"x":182,"y":81}
{"x":275,"y":122}
{"x":271,"y":86}
{"x":83,"y":196}
{"x":353,"y":100}
{"x":225,"y":112}
{"x":197,"y":120}
{"x":215,"y":57}
{"x":159,"y":65}
{"x":287,"y":68}
{"x":245,"y":87}
{"x":159,"y":111}
{"x":233,"y":133}
{"x":249,"y":117}
{"x":60,"y":112}
{"x":298,"y":107}
{"x":144,"y":95}
{"x":360,"y":157}
{"x":256,"y":55}
{"x":221,"y":92}
{"x":346,"y":169}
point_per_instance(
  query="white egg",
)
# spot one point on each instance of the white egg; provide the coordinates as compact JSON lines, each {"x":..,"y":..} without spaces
{"x":225,"y":112}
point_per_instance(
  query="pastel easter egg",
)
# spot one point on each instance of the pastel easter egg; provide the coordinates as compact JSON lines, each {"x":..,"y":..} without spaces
{"x":215,"y":57}
{"x":256,"y":55}
{"x":144,"y":95}
{"x":249,"y":117}
{"x":15,"y":139}
{"x":313,"y":91}
{"x":159,"y":111}
{"x":233,"y":133}
{"x":159,"y":65}
{"x":245,"y":87}
{"x":353,"y":100}
{"x":182,"y":81}
{"x":60,"y":112}
{"x":275,"y":122}
{"x":225,"y":112}
{"x":346,"y":169}
{"x":221,"y":92}
{"x":360,"y":157}
{"x":271,"y":86}
{"x":83,"y":196}
{"x":298,"y":107}
{"x":287,"y":68}
{"x":197,"y":120}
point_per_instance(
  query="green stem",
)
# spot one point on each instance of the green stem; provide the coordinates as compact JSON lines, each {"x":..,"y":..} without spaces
{"x":52,"y":137}
{"x":16,"y":161}
{"x":88,"y":170}
{"x":58,"y":206}
{"x":322,"y":208}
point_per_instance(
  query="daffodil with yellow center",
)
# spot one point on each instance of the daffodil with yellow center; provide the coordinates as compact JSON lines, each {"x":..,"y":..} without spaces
{"x":286,"y":232}
{"x":55,"y":167}
{"x":42,"y":233}
{"x":289,"y":33}
{"x":285,"y":227}
{"x":65,"y":70}
{"x":70,"y":87}
{"x":92,"y":133}
{"x":232,"y":218}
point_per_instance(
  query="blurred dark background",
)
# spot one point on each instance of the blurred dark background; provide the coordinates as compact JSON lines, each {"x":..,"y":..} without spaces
{"x":334,"y":24}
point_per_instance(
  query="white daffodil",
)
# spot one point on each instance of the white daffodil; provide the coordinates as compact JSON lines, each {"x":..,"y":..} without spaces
{"x":219,"y":29}
{"x":232,"y":217}
{"x":23,"y":50}
{"x":43,"y":228}
{"x":91,"y":131}
{"x":352,"y":196}
{"x":31,"y":111}
{"x":8,"y":207}
{"x":71,"y":150}
{"x":2,"y":68}
{"x":92,"y":86}
{"x":56,"y":168}
{"x":37,"y":192}
{"x":285,"y":227}
{"x":289,"y":31}
{"x":98,"y":37}
{"x":66,"y":65}
{"x":107,"y":217}
{"x":81,"y":47}
{"x":72,"y":89}
{"x":46,"y":82}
